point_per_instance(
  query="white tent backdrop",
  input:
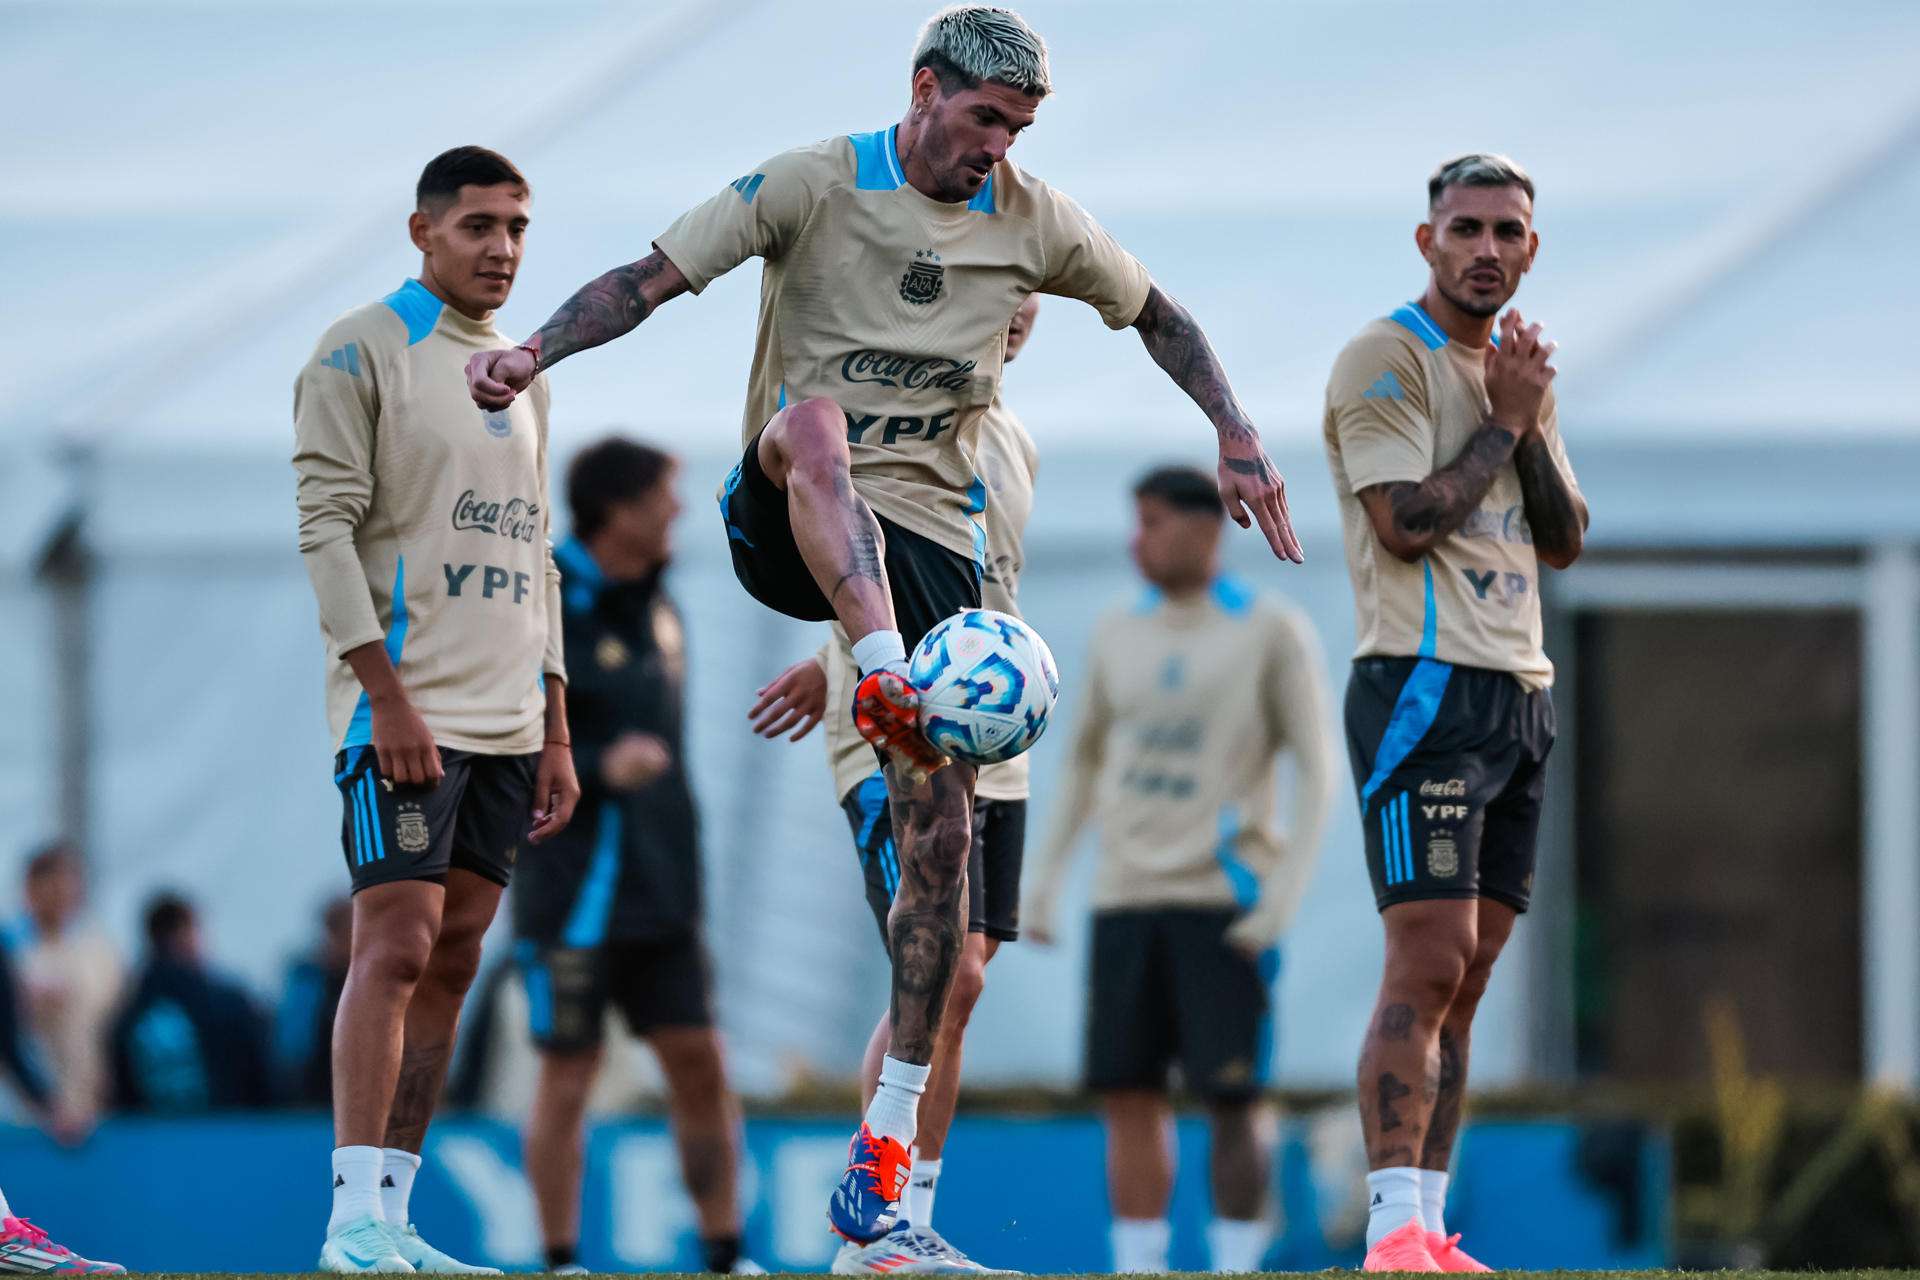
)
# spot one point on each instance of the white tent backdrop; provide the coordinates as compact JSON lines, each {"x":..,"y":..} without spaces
{"x":1726,"y":196}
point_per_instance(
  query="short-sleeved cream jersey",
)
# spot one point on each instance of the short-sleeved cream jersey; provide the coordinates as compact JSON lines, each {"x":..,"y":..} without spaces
{"x":424,"y":523}
{"x":1402,"y":402}
{"x":896,"y":306}
{"x":1007,"y":462}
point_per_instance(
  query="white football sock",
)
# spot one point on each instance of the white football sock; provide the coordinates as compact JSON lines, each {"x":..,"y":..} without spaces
{"x":1433,"y":1200}
{"x":877,"y":648}
{"x":356,"y":1185}
{"x":1236,"y":1245}
{"x":1393,"y":1200}
{"x":1140,"y":1244}
{"x":895,"y":1109}
{"x":396,"y":1185}
{"x":918,"y":1201}
{"x":5,"y":1212}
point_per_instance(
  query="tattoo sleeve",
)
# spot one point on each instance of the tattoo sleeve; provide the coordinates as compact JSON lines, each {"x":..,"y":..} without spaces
{"x":602,"y":310}
{"x":1426,"y":511}
{"x":1555,"y":512}
{"x":1175,"y":341}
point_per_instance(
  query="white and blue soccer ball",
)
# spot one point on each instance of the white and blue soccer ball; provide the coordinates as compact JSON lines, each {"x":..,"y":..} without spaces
{"x":987,"y":684}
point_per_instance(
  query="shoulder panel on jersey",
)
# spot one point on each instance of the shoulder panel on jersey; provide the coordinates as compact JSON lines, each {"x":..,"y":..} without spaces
{"x":982,"y":201}
{"x":1232,"y":595}
{"x":876,"y":162}
{"x":581,"y":580}
{"x":1413,"y":317}
{"x":417,"y":308}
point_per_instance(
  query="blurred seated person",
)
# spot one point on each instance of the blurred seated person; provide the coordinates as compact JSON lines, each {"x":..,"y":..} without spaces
{"x":303,"y":1024}
{"x":69,"y":974}
{"x":187,"y":1040}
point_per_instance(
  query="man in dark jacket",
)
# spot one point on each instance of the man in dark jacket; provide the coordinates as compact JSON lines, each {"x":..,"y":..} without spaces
{"x":608,"y":914}
{"x":187,"y":1039}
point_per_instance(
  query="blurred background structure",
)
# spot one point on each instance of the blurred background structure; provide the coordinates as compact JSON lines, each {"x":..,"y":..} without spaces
{"x":1727,"y":197}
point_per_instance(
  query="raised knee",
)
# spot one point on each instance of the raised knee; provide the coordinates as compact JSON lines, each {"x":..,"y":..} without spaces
{"x":813,"y":435}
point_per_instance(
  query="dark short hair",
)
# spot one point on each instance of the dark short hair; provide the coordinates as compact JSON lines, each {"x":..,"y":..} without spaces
{"x":168,"y":914}
{"x":1183,"y":488}
{"x":1478,"y":169}
{"x":446,"y":173}
{"x":50,"y":857}
{"x":607,"y":473}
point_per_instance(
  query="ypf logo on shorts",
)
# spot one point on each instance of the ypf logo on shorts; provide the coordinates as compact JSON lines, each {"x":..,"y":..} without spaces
{"x":410,"y":829}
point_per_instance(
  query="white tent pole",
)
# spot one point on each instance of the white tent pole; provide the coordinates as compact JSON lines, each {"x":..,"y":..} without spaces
{"x":1890,"y":827}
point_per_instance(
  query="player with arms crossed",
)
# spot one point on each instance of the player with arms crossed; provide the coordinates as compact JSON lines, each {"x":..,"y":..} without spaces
{"x":822,"y":686}
{"x":893,"y":263}
{"x":1453,"y":486}
{"x":424,"y":527}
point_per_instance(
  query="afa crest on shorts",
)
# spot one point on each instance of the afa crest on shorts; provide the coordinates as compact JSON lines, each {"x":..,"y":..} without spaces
{"x":410,"y":829}
{"x":924,"y":279}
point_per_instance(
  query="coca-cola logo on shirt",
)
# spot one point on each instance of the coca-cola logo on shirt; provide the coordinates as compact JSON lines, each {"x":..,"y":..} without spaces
{"x":910,"y":373}
{"x":515,"y":518}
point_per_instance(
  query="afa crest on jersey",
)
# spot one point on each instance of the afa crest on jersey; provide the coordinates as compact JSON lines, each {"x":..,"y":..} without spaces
{"x":924,"y":279}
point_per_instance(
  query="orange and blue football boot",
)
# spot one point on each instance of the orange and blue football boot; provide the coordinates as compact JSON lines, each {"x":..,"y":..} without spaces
{"x":866,"y":1204}
{"x":886,"y":711}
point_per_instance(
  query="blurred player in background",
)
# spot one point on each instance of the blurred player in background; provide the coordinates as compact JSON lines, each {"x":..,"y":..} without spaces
{"x":609,"y":913}
{"x":424,"y":527}
{"x":894,"y":261}
{"x":1007,"y":461}
{"x":1188,"y":698}
{"x":1453,"y":486}
{"x":25,"y":1248}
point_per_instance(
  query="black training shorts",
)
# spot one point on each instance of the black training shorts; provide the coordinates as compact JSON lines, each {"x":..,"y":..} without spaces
{"x":993,"y":860}
{"x":654,"y":984}
{"x":929,"y":582}
{"x":1450,"y":764}
{"x":476,"y":818}
{"x":1166,"y":987}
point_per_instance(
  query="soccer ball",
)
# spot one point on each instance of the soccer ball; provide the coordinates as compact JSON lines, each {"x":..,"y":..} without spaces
{"x":987,"y":684}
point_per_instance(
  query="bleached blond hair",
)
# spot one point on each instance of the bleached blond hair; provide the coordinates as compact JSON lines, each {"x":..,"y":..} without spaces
{"x":1479,"y":169}
{"x":966,"y":44}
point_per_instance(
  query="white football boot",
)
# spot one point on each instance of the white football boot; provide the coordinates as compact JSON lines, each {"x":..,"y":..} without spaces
{"x":424,"y":1258}
{"x":360,"y":1247}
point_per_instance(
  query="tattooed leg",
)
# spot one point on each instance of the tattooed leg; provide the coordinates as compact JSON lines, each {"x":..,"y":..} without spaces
{"x":433,"y":1016}
{"x":706,"y":1124}
{"x":933,"y":829}
{"x":1429,"y":947}
{"x":804,"y":451}
{"x":393,"y":931}
{"x":1494,"y":926}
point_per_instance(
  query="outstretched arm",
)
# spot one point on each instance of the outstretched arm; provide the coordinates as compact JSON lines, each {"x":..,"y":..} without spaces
{"x":1556,"y":513}
{"x":602,"y":310}
{"x":1248,"y":480}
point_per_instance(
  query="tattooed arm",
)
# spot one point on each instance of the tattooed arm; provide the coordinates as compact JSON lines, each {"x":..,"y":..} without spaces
{"x":601,"y":311}
{"x":1556,"y":512}
{"x":1248,"y":480}
{"x":1409,"y":517}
